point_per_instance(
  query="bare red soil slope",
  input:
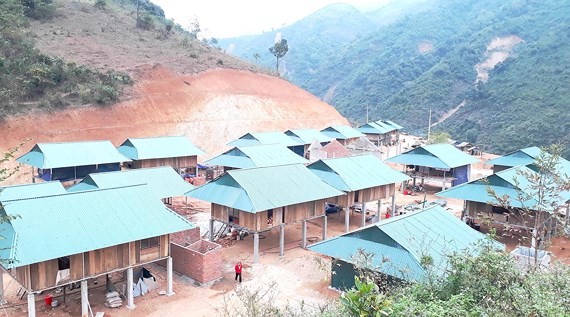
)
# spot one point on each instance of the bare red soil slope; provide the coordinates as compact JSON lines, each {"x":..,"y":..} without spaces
{"x":211,"y":108}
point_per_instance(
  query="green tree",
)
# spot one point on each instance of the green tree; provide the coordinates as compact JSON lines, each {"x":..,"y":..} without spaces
{"x":279,"y":49}
{"x":438,"y":137}
{"x":365,"y":300}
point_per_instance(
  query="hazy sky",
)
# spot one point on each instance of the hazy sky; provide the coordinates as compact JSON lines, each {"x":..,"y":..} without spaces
{"x":228,"y":18}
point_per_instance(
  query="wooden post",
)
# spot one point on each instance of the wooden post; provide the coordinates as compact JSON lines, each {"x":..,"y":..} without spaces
{"x":379,"y":212}
{"x":31,"y":305}
{"x":84,"y":299}
{"x":281,"y":239}
{"x":394,"y":204}
{"x":256,"y":247}
{"x":363,"y":214}
{"x":130,"y":286}
{"x":443,"y":184}
{"x":169,"y":290}
{"x":346,"y":219}
{"x":324,"y":227}
{"x":304,"y":234}
{"x":2,"y":299}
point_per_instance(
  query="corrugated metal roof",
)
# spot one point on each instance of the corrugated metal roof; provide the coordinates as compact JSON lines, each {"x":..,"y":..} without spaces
{"x":258,"y":138}
{"x":341,"y":132}
{"x":404,"y":240}
{"x":307,"y":136}
{"x":257,"y":156}
{"x":512,"y":183}
{"x":265,"y":188}
{"x":520,"y":157}
{"x":25,"y":191}
{"x":69,"y":154}
{"x":85,"y":221}
{"x":394,"y":124}
{"x":162,"y":181}
{"x":353,"y":173}
{"x":443,"y":156}
{"x":159,"y":147}
{"x":379,"y":127}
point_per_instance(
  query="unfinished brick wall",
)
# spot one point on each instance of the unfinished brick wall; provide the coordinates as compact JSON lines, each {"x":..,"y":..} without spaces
{"x":186,"y":237}
{"x":201,"y":260}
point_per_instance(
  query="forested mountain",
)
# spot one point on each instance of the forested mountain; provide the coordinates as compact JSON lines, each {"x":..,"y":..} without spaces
{"x":493,"y":72}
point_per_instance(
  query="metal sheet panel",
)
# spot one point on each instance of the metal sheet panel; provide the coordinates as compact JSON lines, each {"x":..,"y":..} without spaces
{"x":434,"y":155}
{"x":54,"y":226}
{"x":31,"y":190}
{"x":69,"y":154}
{"x":307,"y":136}
{"x":159,"y":147}
{"x":257,"y":156}
{"x":341,"y":132}
{"x":163,"y":181}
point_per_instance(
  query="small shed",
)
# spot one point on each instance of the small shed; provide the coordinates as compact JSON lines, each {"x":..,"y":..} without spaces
{"x":363,"y":178}
{"x":514,"y":184}
{"x":112,"y":229}
{"x":70,"y":161}
{"x":256,"y":156}
{"x":164,"y":182}
{"x":342,"y":133}
{"x":307,"y":136}
{"x":524,"y":156}
{"x":260,"y":138}
{"x":438,"y":162}
{"x":262,"y":199}
{"x":381,"y":132}
{"x":175,"y":151}
{"x":400,"y":247}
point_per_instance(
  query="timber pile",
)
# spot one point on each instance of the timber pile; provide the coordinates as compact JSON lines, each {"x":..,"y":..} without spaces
{"x":113,"y":300}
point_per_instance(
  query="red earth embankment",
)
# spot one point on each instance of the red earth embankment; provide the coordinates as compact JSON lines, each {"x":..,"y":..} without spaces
{"x":211,"y":108}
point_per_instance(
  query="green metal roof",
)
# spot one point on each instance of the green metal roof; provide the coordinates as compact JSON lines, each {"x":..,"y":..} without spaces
{"x":352,"y":173}
{"x":258,"y":138}
{"x":85,"y":221}
{"x":25,"y":191}
{"x":379,"y":127}
{"x":163,"y":181}
{"x":159,"y":147}
{"x":265,"y":188}
{"x":520,"y":157}
{"x":341,"y":132}
{"x":512,"y":183}
{"x":307,"y":136}
{"x":257,"y":156}
{"x":443,"y":156}
{"x":69,"y":154}
{"x":398,"y":244}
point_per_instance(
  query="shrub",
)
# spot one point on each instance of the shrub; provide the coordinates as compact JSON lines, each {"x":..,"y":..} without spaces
{"x":145,"y":22}
{"x":100,"y":4}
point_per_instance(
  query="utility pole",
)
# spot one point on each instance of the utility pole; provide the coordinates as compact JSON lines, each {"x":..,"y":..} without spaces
{"x":366,"y":113}
{"x":429,"y":125}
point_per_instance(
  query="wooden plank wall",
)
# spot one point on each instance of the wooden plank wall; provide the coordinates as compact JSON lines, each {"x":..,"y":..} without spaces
{"x":43,"y":274}
{"x":220,"y":212}
{"x":175,"y":162}
{"x":247,"y":220}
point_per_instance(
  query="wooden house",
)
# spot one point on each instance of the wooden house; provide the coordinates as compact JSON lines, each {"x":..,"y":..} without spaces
{"x":175,"y":151}
{"x":514,"y":184}
{"x":164,"y":182}
{"x":71,"y":161}
{"x":436,"y":162}
{"x":399,"y":245}
{"x":262,"y":199}
{"x":74,"y":237}
{"x":256,"y":156}
{"x":307,"y":137}
{"x":265,"y":138}
{"x":343,"y":134}
{"x":381,"y":132}
{"x":363,"y":178}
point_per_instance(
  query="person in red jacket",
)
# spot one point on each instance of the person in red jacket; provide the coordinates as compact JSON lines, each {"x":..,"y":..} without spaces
{"x":238,"y":271}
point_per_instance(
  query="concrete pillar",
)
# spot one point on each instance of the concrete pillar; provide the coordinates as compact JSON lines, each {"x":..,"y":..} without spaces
{"x":84,"y":299}
{"x":325,"y":227}
{"x":363,"y":214}
{"x":379,"y":211}
{"x":394,"y":204}
{"x":212,"y":229}
{"x":304,"y":234}
{"x":31,"y":305}
{"x":443,"y":183}
{"x":281,"y":239}
{"x":2,"y":299}
{"x":256,"y":247}
{"x":169,"y":291}
{"x":130,"y":297}
{"x":346,"y":219}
